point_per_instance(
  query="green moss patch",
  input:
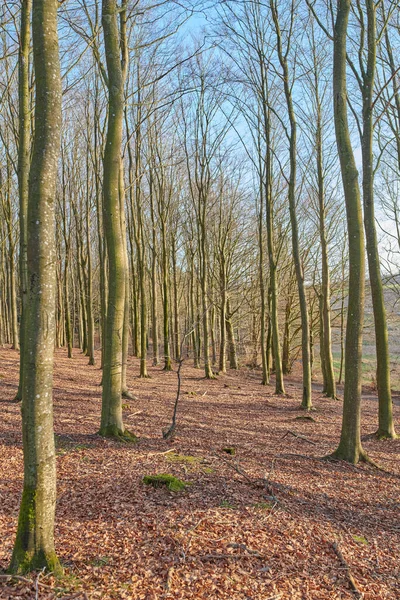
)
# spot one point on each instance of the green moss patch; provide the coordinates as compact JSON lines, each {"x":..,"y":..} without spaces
{"x":183,"y":458}
{"x":360,"y":539}
{"x":229,"y":450}
{"x":164,"y":479}
{"x":263,"y":505}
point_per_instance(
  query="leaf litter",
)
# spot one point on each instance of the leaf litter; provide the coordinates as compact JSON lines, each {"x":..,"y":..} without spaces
{"x":271,"y":521}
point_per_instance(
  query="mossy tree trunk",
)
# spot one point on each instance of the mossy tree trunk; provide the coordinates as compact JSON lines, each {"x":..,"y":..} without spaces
{"x":34,"y":544}
{"x":386,"y":424}
{"x":350,"y":448}
{"x":111,"y":413}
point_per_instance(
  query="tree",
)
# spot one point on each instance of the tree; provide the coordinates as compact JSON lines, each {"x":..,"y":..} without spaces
{"x":23,"y":165}
{"x":34,"y":544}
{"x":350,"y":448}
{"x":111,"y":411}
{"x":305,"y":330}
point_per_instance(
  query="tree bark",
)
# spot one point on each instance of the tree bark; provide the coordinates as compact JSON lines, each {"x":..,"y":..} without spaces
{"x":350,"y":448}
{"x":111,"y":412}
{"x":34,"y":545}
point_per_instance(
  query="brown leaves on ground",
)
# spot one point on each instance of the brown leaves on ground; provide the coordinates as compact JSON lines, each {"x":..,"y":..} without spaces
{"x":264,"y":523}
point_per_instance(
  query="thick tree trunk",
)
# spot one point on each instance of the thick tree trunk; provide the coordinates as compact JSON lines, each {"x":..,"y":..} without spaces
{"x":34,"y":545}
{"x":350,"y":448}
{"x":111,"y":413}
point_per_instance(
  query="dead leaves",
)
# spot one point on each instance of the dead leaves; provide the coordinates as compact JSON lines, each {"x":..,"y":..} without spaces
{"x":258,"y":524}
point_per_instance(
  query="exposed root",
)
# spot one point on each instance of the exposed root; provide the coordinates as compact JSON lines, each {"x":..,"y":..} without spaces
{"x":126,"y":394}
{"x":301,"y":437}
{"x":113,"y":432}
{"x":381,"y":434}
{"x":169,"y":433}
{"x":362,"y":458}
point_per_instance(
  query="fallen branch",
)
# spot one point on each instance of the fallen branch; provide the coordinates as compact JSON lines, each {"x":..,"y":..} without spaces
{"x":297,"y":435}
{"x":247,"y":549}
{"x":26,"y":580}
{"x":346,"y":566}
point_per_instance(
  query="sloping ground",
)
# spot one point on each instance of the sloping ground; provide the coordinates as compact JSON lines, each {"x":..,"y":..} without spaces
{"x":273,"y":521}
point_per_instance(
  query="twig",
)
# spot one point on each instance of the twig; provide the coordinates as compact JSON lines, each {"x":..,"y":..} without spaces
{"x":247,"y":549}
{"x":234,"y":467}
{"x":37,"y":584}
{"x":219,"y":556}
{"x":26,"y":580}
{"x":297,"y":435}
{"x":270,"y":471}
{"x":346,"y":566}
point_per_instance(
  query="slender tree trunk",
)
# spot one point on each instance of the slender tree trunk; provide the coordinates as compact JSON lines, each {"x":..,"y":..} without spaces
{"x":167,"y":357}
{"x":222,"y":344}
{"x":176,"y":300}
{"x":125,"y":333}
{"x":67,"y":307}
{"x":154,"y":294}
{"x":23,"y":168}
{"x":273,"y":291}
{"x":305,"y":330}
{"x":386,"y":424}
{"x":233,"y":362}
{"x":265,"y":372}
{"x":325,"y":305}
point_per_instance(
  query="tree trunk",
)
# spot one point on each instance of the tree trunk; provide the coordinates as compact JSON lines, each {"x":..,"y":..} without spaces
{"x":350,"y":448}
{"x":305,"y":330}
{"x":34,"y":545}
{"x":23,"y":168}
{"x":386,"y":424}
{"x":111,"y":412}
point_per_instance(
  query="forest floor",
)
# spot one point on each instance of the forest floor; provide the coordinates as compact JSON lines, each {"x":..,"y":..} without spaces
{"x":274,"y":521}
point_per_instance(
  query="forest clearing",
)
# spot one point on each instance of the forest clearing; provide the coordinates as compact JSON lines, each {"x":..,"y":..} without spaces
{"x":199,"y":299}
{"x":259,"y":524}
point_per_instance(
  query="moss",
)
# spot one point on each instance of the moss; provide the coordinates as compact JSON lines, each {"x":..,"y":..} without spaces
{"x":26,"y":557}
{"x":208,"y":470}
{"x":227,"y":504}
{"x":183,"y":458}
{"x":172,"y":483}
{"x":229,"y":450}
{"x":360,"y":539}
{"x":381,"y":434}
{"x":263,"y":505}
{"x":112,"y":431}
